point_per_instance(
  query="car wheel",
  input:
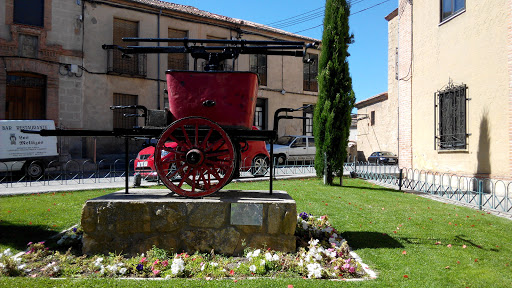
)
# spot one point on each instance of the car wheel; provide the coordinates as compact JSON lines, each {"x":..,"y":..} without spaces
{"x":34,"y":169}
{"x":259,"y":166}
{"x":281,"y":159}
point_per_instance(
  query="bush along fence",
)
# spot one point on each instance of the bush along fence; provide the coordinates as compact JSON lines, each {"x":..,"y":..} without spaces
{"x":72,"y":172}
{"x":481,"y":193}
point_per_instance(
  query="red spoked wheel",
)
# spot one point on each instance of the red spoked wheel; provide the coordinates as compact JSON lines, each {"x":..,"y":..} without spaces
{"x":203,"y":157}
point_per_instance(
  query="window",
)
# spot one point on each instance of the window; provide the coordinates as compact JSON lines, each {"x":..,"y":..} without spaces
{"x":299,"y":142}
{"x":177,"y":61}
{"x":124,"y":65}
{"x":258,"y":65}
{"x":372,"y":118}
{"x":29,"y":12}
{"x":260,"y":114}
{"x":124,"y":100}
{"x":307,"y":123}
{"x":452,"y":118}
{"x":451,"y":7}
{"x":223,"y":66}
{"x":310,"y":73}
{"x":311,"y":142}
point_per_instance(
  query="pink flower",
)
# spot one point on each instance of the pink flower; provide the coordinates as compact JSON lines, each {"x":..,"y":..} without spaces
{"x":352,"y":269}
{"x":165,"y":263}
{"x":156,"y":262}
{"x":156,"y":272}
{"x":464,"y":246}
{"x":143,"y":260}
{"x":449,"y":245}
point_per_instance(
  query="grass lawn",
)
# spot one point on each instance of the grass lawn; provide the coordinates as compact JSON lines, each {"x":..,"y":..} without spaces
{"x":409,"y":240}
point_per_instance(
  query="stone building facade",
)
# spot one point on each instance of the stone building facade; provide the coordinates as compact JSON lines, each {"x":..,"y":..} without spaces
{"x":55,"y":67}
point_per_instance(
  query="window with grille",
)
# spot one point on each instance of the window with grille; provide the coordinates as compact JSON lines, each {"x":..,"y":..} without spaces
{"x":177,"y":61}
{"x":260,"y":114}
{"x":223,"y":65}
{"x":124,"y":100}
{"x":258,"y":65}
{"x":125,"y":65}
{"x":451,"y":7}
{"x":29,"y":12}
{"x":307,"y":122}
{"x":451,"y":104}
{"x":310,"y":73}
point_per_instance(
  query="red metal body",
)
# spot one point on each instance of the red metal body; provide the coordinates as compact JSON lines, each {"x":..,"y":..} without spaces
{"x":227,"y":98}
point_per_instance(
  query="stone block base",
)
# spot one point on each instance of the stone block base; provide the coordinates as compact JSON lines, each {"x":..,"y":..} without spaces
{"x":224,"y":222}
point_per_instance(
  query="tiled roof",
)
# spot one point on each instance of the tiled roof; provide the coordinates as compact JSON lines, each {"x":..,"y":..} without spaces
{"x":372,"y":100}
{"x":194,"y":11}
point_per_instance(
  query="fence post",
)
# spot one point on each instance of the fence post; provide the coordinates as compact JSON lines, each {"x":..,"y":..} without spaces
{"x":400,"y":180}
{"x":480,"y":196}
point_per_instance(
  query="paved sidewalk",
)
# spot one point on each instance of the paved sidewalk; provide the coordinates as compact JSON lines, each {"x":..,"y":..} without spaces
{"x":38,"y":187}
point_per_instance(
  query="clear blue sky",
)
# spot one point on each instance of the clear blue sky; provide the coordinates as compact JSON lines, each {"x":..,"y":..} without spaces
{"x":368,"y":60}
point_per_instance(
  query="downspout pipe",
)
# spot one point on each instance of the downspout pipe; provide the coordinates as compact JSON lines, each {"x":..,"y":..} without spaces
{"x":158,"y":62}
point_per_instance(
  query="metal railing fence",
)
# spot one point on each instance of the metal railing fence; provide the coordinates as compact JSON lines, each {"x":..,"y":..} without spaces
{"x":482,"y":193}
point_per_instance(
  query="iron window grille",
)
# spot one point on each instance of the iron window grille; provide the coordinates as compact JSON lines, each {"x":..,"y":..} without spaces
{"x":450,"y":8}
{"x":452,"y":128}
{"x":260,"y":114}
{"x":177,"y":61}
{"x":258,"y":65}
{"x":307,"y":122}
{"x":117,"y":62}
{"x":124,"y":100}
{"x":310,"y":73}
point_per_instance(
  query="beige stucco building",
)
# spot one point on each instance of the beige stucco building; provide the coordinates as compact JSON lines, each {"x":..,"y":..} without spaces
{"x":54,"y":62}
{"x":453,"y":85}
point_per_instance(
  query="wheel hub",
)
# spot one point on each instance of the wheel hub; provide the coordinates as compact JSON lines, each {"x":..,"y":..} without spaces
{"x":194,"y":157}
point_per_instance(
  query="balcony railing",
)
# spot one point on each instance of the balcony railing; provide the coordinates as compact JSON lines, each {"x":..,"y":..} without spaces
{"x":132,"y":65}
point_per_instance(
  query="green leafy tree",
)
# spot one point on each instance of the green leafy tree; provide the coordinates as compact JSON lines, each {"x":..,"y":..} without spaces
{"x":336,"y":98}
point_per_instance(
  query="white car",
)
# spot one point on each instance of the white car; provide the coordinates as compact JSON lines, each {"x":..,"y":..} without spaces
{"x":294,"y":148}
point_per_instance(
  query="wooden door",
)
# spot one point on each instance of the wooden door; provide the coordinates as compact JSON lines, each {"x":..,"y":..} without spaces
{"x":26,"y":96}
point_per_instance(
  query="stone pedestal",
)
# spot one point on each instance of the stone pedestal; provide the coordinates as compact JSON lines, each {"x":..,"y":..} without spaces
{"x":223,"y":222}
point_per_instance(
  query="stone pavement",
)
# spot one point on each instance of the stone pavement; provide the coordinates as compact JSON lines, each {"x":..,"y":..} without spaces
{"x":506,"y":215}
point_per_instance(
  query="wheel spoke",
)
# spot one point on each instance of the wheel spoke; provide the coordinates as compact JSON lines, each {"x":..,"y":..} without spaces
{"x":216,"y":145}
{"x":187,"y":139}
{"x":196,"y":140}
{"x":205,"y":140}
{"x":217,"y":153}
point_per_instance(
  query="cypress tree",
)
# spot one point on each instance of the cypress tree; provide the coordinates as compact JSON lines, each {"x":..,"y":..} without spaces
{"x":332,"y":116}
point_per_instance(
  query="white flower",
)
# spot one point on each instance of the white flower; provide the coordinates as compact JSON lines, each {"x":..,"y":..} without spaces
{"x":21,"y":266}
{"x":313,"y":242}
{"x":252,"y":268}
{"x":314,"y":270}
{"x":122,"y":271}
{"x":214,"y":264}
{"x":275,"y":257}
{"x":16,"y":260}
{"x":177,"y":266}
{"x":7,"y":252}
{"x":301,"y":263}
{"x":56,"y":269}
{"x":256,"y":253}
{"x":2,"y":265}
{"x":304,"y":225}
{"x":249,"y":255}
{"x":262,"y":262}
{"x":97,"y":262}
{"x":268,"y":256}
{"x":102,"y":270}
{"x":202,"y":266}
{"x":112,"y":268}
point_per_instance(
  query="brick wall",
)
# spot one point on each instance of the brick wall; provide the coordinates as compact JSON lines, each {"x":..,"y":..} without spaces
{"x":404,"y":84}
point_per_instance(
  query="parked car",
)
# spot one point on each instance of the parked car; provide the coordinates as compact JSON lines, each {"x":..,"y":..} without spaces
{"x":383,"y":157}
{"x":254,"y":159}
{"x":294,"y":148}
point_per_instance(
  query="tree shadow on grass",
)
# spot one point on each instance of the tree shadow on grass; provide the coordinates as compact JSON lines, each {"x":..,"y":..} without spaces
{"x":372,"y":240}
{"x":17,"y":236}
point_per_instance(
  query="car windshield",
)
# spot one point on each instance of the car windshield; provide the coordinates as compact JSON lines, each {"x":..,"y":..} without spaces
{"x":387,"y":154}
{"x":285,"y":140}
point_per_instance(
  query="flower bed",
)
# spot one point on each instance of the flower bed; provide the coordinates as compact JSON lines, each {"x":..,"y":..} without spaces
{"x":322,"y":253}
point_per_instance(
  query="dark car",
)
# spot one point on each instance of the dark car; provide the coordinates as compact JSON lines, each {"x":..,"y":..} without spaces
{"x":383,"y":157}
